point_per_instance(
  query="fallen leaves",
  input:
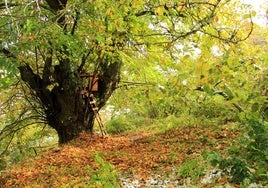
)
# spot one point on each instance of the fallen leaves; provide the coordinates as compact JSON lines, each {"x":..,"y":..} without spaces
{"x":140,"y":154}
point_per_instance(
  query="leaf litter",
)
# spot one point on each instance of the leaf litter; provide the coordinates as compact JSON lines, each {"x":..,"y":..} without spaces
{"x":135,"y":155}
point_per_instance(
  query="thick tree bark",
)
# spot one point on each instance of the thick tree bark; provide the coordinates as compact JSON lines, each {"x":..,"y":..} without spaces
{"x":65,"y":109}
{"x":63,"y":105}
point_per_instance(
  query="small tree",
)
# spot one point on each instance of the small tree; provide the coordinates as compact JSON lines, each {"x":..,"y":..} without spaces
{"x":53,"y":41}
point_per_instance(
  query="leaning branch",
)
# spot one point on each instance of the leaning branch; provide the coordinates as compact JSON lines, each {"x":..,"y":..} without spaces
{"x":7,"y":53}
{"x":56,"y":5}
{"x":83,"y":61}
{"x":232,"y":38}
{"x":5,"y":5}
{"x":224,"y":95}
{"x":76,"y":18}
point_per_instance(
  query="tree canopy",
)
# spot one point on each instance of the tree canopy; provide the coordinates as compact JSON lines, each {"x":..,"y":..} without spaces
{"x":51,"y":43}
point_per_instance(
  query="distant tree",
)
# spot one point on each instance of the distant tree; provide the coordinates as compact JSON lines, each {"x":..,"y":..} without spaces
{"x":52,"y":42}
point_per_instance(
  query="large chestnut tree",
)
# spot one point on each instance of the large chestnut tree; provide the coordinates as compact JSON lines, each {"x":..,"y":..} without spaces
{"x":52,"y":42}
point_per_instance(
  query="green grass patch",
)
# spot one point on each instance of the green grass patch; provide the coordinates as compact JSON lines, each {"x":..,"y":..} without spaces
{"x":191,"y":168}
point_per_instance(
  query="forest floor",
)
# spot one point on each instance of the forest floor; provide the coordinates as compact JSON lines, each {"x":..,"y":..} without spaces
{"x":130,"y":158}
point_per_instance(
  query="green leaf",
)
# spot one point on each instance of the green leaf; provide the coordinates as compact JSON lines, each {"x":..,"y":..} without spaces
{"x":253,"y":13}
{"x":229,"y":92}
{"x":265,"y":113}
{"x":246,"y":16}
{"x":255,"y":107}
{"x":208,"y":90}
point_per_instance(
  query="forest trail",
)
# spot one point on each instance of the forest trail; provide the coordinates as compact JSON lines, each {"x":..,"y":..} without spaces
{"x":135,"y":155}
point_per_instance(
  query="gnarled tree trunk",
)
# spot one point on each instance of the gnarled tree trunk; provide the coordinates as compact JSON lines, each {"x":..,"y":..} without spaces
{"x":65,"y":109}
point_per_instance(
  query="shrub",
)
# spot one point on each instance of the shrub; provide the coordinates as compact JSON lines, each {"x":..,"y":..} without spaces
{"x":105,"y":175}
{"x":248,"y":160}
{"x":192,"y":168}
{"x":119,"y":124}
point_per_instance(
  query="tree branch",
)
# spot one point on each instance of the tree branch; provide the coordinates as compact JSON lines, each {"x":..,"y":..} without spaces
{"x":48,"y":63}
{"x":76,"y":18}
{"x":28,"y":76}
{"x":56,"y":5}
{"x":7,"y":53}
{"x":83,"y":62}
{"x":4,"y":5}
{"x":37,"y":84}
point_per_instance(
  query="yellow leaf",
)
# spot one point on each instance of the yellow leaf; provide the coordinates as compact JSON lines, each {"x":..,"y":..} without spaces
{"x":109,"y":12}
{"x":216,"y":19}
{"x":159,"y":11}
{"x":134,"y":4}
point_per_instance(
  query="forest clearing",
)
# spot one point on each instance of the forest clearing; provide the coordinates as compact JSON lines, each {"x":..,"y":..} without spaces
{"x":93,"y":161}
